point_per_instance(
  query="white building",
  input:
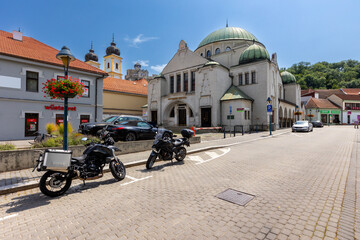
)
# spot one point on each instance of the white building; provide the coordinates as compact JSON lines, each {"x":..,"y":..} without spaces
{"x":230,"y":69}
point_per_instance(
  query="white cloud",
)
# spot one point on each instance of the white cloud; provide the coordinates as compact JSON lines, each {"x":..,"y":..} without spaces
{"x":143,"y":63}
{"x":134,"y":42}
{"x":158,"y":68}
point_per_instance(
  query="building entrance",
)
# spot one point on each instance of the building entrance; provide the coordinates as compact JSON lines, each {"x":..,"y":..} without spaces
{"x":206,"y":117}
{"x":154,"y":117}
{"x":182,"y":117}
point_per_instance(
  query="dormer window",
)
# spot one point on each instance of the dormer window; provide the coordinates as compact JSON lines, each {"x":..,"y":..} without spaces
{"x":217,"y":51}
{"x":228,"y":49}
{"x":208,"y":54}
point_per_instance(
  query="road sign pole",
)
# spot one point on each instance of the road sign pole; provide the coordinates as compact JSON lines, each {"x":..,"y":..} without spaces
{"x":270,"y":123}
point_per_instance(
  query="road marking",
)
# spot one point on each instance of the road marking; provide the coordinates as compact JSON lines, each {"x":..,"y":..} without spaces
{"x":7,"y":217}
{"x":195,"y":158}
{"x":135,"y":180}
{"x":214,"y":155}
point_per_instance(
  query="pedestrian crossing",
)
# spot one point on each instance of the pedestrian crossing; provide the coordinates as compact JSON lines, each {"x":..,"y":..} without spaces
{"x":207,"y":156}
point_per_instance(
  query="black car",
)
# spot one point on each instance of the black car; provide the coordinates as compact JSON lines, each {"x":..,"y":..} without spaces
{"x":317,"y":123}
{"x":94,"y":128}
{"x":134,"y":130}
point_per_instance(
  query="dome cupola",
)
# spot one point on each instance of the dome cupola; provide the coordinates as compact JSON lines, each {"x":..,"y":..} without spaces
{"x":254,"y":53}
{"x":287,"y":77}
{"x":91,"y":56}
{"x":137,"y":66}
{"x":228,"y":33}
{"x":112,"y":49}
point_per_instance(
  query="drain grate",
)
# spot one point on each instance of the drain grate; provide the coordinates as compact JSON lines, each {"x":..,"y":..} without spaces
{"x":236,"y":197}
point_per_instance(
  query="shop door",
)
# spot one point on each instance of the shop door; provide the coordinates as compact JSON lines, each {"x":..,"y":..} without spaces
{"x":154,"y":117}
{"x":324,"y":118}
{"x":348,"y":119}
{"x":182,"y":117}
{"x":206,"y":117}
{"x":31,"y":124}
{"x":59,"y":119}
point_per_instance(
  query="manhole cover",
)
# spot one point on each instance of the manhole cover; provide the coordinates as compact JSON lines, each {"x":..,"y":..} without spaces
{"x":236,"y":197}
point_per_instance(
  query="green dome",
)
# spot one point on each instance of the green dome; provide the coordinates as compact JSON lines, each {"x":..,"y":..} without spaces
{"x":254,"y":53}
{"x":287,"y":77}
{"x":228,"y":33}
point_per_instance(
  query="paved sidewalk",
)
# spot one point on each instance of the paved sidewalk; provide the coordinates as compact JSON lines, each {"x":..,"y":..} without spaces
{"x":13,"y":181}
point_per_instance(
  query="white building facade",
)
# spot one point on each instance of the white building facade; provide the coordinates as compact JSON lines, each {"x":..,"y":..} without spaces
{"x":229,"y":74}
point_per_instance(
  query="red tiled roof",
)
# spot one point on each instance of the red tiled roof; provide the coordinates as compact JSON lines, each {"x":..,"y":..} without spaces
{"x":319,"y":103}
{"x":127,"y":86}
{"x":351,"y":91}
{"x":32,"y":49}
{"x":348,"y":97}
{"x":305,"y":92}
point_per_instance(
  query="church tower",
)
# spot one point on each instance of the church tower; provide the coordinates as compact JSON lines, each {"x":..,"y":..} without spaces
{"x":113,"y":61}
{"x":91,"y":58}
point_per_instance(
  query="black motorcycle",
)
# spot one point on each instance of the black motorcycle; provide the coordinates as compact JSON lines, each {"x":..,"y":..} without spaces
{"x":61,"y":167}
{"x":168,"y":148}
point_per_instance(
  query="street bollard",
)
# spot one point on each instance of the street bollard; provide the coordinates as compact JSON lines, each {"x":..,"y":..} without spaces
{"x":224,"y":133}
{"x":234,"y":131}
{"x":256,"y":128}
{"x":242,"y":130}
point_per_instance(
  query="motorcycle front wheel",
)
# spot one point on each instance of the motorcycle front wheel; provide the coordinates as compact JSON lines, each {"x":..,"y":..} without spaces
{"x":151,"y":160}
{"x":117,"y":170}
{"x":54,"y":184}
{"x":180,"y":156}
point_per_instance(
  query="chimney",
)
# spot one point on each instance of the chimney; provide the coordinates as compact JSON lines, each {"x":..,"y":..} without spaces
{"x":17,"y":35}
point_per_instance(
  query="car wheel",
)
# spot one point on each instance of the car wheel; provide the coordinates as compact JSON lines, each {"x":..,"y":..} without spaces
{"x":130,"y":136}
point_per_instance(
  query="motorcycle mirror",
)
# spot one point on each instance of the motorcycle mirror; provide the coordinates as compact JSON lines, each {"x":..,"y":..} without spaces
{"x":84,"y":139}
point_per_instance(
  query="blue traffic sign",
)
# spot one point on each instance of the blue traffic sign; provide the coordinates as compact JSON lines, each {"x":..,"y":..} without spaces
{"x":230,"y":110}
{"x":269,"y":108}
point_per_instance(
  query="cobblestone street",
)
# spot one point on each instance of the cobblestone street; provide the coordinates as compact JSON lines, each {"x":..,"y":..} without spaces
{"x":305,"y":187}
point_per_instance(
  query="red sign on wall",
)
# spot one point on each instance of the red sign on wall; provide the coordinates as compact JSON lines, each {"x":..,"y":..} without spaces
{"x":52,"y":107}
{"x":31,"y":120}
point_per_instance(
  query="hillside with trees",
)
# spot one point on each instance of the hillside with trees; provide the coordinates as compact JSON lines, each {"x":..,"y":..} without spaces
{"x":324,"y":75}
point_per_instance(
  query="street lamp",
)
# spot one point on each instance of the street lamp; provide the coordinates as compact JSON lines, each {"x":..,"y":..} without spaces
{"x":310,"y":115}
{"x":269,"y":104}
{"x":66,"y":57}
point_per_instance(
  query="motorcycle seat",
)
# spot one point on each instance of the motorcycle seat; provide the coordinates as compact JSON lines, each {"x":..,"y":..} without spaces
{"x":80,"y":159}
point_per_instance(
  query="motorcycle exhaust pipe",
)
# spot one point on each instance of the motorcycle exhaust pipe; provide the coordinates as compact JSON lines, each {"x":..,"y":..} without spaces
{"x":90,"y":178}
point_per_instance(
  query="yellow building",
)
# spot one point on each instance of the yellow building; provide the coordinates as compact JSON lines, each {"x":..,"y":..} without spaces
{"x":119,"y":96}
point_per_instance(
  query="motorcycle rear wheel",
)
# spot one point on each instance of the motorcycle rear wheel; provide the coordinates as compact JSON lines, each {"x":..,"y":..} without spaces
{"x":180,"y":156}
{"x":54,"y":184}
{"x":151,"y":160}
{"x":118,"y":170}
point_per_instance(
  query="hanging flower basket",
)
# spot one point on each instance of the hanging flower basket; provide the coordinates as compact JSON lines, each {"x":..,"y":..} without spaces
{"x":63,"y":88}
{"x":310,"y":115}
{"x":298,"y":113}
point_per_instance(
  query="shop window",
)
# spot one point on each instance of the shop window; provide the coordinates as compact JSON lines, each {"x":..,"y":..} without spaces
{"x":217,"y":51}
{"x":86,"y":88}
{"x":31,"y":124}
{"x":84,"y":119}
{"x":172,"y":113}
{"x":208,"y":54}
{"x":193,"y":81}
{"x":241,"y":79}
{"x":32,"y":81}
{"x":247,"y":78}
{"x":178,"y":83}
{"x":59,"y":119}
{"x":186,"y":82}
{"x":253,"y":77}
{"x":171,"y":84}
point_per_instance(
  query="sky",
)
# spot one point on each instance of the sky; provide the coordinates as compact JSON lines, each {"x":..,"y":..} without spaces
{"x":149,"y":31}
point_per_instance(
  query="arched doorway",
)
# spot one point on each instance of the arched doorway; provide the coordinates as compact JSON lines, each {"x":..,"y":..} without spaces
{"x":178,"y":114}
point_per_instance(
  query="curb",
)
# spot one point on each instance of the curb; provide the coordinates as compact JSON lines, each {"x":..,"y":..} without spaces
{"x":34,"y":184}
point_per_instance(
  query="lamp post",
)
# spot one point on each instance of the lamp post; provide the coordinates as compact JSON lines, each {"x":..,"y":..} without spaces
{"x":297,"y":112}
{"x":66,"y":57}
{"x":269,"y":112}
{"x":310,"y":115}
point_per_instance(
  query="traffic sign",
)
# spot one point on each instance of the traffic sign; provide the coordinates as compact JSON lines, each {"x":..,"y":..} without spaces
{"x":269,"y":108}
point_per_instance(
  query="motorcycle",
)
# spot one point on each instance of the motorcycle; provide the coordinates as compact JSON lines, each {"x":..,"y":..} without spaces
{"x":168,"y":148}
{"x":61,"y":167}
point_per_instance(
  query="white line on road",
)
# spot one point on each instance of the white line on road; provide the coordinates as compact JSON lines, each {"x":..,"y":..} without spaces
{"x":7,"y":217}
{"x":135,"y":180}
{"x":215,"y":155}
{"x":195,"y":158}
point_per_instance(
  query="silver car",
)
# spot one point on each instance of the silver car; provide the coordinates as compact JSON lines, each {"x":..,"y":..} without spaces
{"x":302,"y":126}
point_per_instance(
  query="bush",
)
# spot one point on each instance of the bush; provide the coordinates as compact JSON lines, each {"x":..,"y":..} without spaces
{"x":51,"y":127}
{"x":61,"y":128}
{"x":74,"y":139}
{"x":6,"y":146}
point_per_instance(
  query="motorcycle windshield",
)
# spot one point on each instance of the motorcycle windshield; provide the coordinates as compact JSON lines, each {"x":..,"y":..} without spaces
{"x":159,"y":135}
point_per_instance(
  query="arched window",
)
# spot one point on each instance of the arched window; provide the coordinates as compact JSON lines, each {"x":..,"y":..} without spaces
{"x":201,"y":54}
{"x":172,"y":112}
{"x":227,"y":49}
{"x":117,"y":66}
{"x":208,"y":54}
{"x":217,"y":51}
{"x":108,"y":65}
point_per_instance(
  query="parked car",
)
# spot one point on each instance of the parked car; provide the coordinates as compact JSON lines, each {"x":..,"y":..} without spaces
{"x":303,"y":126}
{"x":317,"y":123}
{"x":134,"y":130}
{"x":94,"y":128}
